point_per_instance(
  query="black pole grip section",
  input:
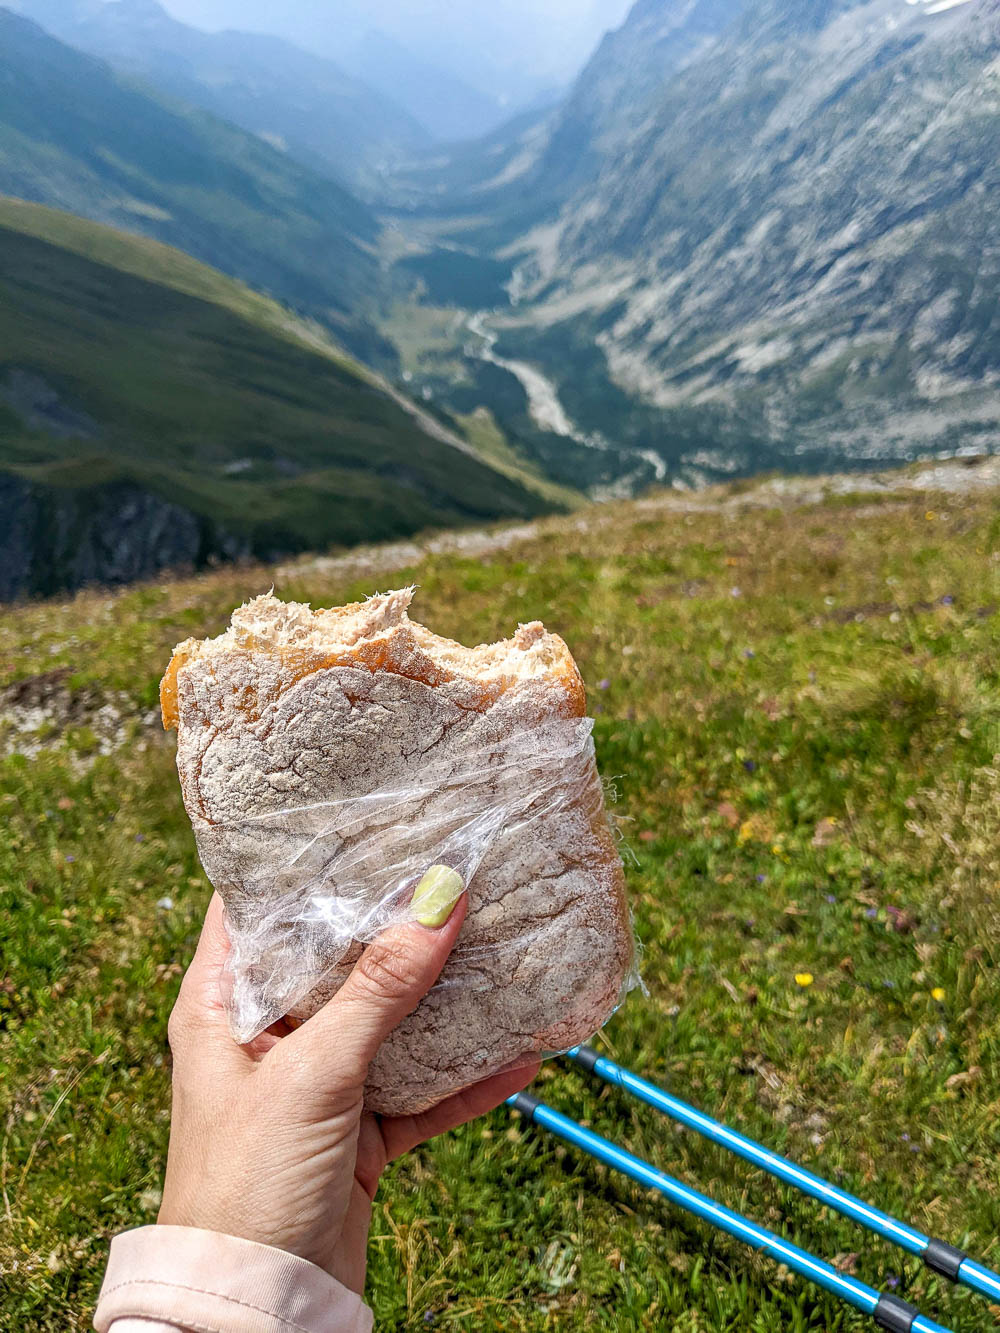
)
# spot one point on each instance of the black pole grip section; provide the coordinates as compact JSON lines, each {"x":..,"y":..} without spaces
{"x":894,"y":1314}
{"x":586,"y":1057}
{"x":525,"y":1104}
{"x":940,"y":1257}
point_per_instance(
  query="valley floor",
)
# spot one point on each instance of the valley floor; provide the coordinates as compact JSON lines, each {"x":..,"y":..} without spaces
{"x":797,"y":703}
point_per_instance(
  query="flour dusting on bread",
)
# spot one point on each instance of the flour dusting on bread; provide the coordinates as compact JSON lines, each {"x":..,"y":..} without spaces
{"x":293,"y":710}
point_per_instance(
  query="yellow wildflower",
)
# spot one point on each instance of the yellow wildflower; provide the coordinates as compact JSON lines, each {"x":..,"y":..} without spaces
{"x":803,"y":979}
{"x":938,"y":993}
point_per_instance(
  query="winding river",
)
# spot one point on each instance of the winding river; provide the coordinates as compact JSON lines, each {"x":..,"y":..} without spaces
{"x":545,"y":407}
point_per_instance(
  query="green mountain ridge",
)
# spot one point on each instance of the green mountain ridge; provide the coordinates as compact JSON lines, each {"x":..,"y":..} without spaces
{"x":77,"y":136}
{"x":155,"y":413}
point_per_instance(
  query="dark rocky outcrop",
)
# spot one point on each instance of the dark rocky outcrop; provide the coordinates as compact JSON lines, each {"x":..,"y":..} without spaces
{"x":53,"y":539}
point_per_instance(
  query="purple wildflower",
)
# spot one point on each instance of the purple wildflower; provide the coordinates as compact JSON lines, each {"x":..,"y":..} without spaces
{"x":604,"y":684}
{"x":71,"y":859}
{"x":750,"y":765}
{"x":871,"y":913}
{"x":761,"y":879}
{"x":947,"y":599}
{"x":831,"y":897}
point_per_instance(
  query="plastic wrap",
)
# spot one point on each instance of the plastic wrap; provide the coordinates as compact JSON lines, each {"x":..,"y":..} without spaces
{"x":318,"y":881}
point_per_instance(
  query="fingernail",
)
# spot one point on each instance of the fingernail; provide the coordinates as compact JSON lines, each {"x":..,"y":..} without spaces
{"x":436,"y":895}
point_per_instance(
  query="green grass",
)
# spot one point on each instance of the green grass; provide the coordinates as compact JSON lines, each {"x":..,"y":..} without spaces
{"x":806,"y":783}
{"x":213,"y":398}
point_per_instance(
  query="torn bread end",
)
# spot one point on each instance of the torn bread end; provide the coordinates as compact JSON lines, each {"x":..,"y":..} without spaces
{"x":308,"y":640}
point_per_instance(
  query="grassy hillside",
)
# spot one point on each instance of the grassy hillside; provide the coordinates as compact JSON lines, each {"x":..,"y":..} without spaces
{"x":126,"y":364}
{"x":797,"y":699}
{"x":77,"y":135}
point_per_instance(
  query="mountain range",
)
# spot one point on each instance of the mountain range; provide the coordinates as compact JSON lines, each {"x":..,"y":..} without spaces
{"x":77,"y":135}
{"x":460,"y":68}
{"x":299,"y":102}
{"x":756,"y":233}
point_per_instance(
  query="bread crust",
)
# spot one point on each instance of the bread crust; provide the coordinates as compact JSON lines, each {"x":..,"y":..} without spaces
{"x":291,"y":708}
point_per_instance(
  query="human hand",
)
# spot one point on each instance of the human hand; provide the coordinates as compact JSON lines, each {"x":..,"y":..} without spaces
{"x":270,"y":1141}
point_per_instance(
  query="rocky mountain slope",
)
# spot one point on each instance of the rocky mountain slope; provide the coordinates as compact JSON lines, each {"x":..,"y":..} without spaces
{"x":297,"y":101}
{"x":76,"y":135}
{"x":763,"y":229}
{"x":154,"y":413}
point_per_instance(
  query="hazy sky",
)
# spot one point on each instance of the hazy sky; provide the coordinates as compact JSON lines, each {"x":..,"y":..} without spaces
{"x":522,"y":43}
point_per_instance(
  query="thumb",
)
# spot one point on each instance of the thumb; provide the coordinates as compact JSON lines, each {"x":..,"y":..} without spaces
{"x":198,"y":1021}
{"x":387,"y":983}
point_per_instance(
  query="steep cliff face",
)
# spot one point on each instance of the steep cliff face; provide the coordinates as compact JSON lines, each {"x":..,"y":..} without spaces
{"x":53,"y":539}
{"x":779,"y":211}
{"x":618,"y":91}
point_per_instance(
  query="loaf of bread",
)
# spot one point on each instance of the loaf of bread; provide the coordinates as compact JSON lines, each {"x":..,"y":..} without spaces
{"x":328,"y":758}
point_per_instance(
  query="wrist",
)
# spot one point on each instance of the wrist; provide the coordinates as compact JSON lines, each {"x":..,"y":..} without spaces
{"x":342,"y":1256}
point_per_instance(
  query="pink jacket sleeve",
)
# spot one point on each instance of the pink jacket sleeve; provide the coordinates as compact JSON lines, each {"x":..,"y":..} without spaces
{"x":183,"y":1280}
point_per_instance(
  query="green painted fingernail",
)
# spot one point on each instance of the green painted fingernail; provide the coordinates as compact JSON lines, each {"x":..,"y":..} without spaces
{"x":436,"y":895}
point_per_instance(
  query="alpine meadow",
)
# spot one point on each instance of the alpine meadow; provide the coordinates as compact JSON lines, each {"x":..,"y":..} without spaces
{"x":674,"y":326}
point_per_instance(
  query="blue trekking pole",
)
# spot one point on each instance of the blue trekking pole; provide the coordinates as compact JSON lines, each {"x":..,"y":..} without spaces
{"x":888,"y":1311}
{"x":940,"y":1257}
